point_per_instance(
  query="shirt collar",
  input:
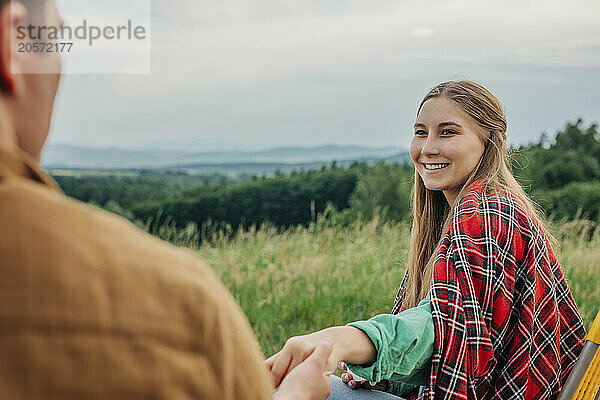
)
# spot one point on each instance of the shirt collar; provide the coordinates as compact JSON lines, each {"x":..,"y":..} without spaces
{"x":477,"y":184}
{"x":15,"y":162}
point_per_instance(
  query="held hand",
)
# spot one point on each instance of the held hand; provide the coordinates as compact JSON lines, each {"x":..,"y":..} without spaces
{"x":309,"y":380}
{"x":355,"y":384}
{"x":294,"y":352}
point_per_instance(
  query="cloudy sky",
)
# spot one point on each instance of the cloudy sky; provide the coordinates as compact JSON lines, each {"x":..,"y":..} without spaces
{"x":257,"y":74}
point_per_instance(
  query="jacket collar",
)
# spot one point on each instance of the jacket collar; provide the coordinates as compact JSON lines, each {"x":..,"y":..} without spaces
{"x":16,"y":163}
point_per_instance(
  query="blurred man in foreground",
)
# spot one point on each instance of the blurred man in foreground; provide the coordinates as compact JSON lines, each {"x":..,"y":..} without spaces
{"x":91,"y":307}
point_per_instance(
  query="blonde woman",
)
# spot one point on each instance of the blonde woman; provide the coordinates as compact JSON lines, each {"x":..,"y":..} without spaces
{"x":483,"y":311}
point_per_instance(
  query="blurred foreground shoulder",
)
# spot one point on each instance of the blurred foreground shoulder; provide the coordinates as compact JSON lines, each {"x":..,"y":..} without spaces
{"x":92,"y":307}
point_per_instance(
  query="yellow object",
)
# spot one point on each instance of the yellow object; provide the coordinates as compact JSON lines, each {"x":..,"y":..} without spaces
{"x":588,"y":388}
{"x":594,"y":333}
{"x":591,"y":380}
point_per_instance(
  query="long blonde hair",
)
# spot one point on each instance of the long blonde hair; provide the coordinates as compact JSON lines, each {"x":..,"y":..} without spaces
{"x":430,"y":207}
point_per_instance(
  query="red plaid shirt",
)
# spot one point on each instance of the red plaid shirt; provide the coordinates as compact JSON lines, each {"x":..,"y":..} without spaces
{"x":506,"y":324}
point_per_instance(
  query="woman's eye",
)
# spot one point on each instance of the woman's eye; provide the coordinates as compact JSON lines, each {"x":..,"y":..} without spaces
{"x":420,"y":132}
{"x":448,"y":132}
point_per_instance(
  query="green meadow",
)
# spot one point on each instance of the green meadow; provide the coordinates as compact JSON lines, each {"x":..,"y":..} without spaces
{"x":333,"y":242}
{"x":306,"y":278}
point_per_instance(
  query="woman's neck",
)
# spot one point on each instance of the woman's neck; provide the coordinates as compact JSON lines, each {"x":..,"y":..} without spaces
{"x":451,"y":194}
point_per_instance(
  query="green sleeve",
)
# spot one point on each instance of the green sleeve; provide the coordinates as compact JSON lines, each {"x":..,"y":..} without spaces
{"x":404,"y":345}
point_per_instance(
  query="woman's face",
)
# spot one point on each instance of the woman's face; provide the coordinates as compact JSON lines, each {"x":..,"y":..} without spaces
{"x":446,"y":147}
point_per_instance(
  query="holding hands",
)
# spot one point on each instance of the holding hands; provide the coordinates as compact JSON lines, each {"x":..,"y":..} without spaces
{"x":320,"y":351}
{"x":309,"y":380}
{"x":295,"y":351}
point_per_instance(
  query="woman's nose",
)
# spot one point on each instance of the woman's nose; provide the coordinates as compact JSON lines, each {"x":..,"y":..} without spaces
{"x":430,"y":146}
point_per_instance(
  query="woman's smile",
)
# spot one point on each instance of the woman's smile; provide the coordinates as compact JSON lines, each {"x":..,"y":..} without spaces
{"x":435,"y":167}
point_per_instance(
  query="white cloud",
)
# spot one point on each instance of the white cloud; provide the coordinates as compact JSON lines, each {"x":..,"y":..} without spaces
{"x":422,"y":32}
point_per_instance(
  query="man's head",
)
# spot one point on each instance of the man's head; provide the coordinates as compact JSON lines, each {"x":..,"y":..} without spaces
{"x":27,"y":96}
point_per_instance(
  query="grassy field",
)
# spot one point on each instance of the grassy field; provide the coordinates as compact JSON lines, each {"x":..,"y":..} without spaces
{"x":306,"y":279}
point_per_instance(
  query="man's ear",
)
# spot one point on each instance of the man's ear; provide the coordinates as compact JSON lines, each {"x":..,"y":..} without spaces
{"x":12,"y":15}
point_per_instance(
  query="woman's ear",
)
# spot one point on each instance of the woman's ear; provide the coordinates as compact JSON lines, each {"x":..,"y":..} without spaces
{"x":490,"y":138}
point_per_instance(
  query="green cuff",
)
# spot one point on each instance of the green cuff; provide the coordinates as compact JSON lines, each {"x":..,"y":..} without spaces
{"x":404,"y":346}
{"x":370,"y":372}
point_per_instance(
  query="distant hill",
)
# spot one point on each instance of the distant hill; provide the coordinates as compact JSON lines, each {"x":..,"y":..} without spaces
{"x":69,"y":157}
{"x":248,"y":169}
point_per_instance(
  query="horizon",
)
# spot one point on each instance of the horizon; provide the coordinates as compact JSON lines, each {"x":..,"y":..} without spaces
{"x":150,"y":147}
{"x":232,"y":147}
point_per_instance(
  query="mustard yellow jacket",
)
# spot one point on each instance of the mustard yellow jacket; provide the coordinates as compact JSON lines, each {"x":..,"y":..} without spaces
{"x":93,"y":308}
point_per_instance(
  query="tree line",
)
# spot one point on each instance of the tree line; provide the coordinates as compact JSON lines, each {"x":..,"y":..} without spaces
{"x":561,"y":174}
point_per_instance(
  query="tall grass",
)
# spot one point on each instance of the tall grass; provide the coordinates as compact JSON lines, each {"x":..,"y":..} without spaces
{"x":579,"y":256}
{"x":307,"y":278}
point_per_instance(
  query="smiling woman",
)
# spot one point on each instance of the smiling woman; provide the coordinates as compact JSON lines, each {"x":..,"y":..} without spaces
{"x":484,"y":310}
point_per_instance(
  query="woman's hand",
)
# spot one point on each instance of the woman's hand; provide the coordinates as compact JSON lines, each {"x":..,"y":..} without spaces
{"x":354,"y":384}
{"x":310,"y":380}
{"x":294,"y":352}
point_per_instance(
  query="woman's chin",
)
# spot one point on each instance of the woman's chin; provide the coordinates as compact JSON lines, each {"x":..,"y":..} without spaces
{"x":435,"y":186}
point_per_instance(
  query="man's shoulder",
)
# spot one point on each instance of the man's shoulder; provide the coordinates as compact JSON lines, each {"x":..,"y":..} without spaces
{"x":104,"y":284}
{"x":44,"y":227}
{"x":34,"y":207}
{"x":76,"y":256}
